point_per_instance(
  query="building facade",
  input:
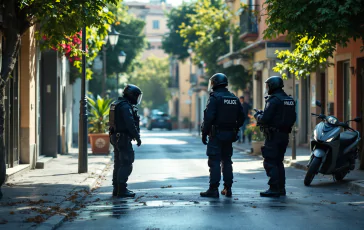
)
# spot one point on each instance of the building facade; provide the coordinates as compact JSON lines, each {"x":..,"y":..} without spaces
{"x":154,"y":15}
{"x":38,"y":107}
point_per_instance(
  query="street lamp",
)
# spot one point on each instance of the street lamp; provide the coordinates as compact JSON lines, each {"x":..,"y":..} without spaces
{"x":82,"y":132}
{"x":113,"y":38}
{"x":189,"y":50}
{"x":121,"y":59}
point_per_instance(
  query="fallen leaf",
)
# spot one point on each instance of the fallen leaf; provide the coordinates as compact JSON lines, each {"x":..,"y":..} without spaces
{"x":254,"y":206}
{"x":333,"y":202}
{"x":12,"y":213}
{"x":236,"y":199}
{"x":168,"y":186}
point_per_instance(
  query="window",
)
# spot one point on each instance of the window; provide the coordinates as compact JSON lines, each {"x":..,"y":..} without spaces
{"x":347,"y":97}
{"x":155,"y":24}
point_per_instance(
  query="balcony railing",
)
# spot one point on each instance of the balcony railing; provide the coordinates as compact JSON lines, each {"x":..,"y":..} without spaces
{"x":248,"y":23}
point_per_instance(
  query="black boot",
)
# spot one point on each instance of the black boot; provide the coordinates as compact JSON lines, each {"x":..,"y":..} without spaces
{"x":115,"y":191}
{"x":213,"y":191}
{"x":273,"y":191}
{"x":282,"y":190}
{"x":227,"y":191}
{"x":125,"y":192}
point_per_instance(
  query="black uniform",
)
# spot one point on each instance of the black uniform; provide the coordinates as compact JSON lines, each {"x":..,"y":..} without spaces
{"x":222,"y":118}
{"x":277,"y":120}
{"x":124,"y":127}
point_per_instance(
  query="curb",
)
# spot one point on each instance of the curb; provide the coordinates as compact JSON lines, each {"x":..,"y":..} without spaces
{"x":355,"y":186}
{"x":88,"y":184}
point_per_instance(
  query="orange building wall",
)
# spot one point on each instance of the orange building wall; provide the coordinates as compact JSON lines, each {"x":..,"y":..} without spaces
{"x":349,"y":53}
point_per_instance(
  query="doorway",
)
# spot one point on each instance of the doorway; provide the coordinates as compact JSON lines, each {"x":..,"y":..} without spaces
{"x":12,"y":119}
{"x":360,"y":75}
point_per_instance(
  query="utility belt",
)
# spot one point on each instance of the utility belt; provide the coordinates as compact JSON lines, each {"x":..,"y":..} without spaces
{"x":217,"y":128}
{"x":268,"y":131}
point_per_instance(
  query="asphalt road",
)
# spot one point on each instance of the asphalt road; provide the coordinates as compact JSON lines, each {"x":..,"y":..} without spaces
{"x":170,"y":171}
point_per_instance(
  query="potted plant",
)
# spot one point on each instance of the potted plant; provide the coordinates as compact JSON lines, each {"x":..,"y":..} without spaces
{"x":174,"y":121}
{"x":98,"y":124}
{"x":186,"y":122}
{"x":257,"y":137}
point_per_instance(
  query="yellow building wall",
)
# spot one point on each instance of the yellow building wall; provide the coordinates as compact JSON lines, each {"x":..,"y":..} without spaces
{"x":27,"y":97}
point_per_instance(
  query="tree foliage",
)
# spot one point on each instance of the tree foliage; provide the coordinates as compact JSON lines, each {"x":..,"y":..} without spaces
{"x":305,"y":58}
{"x":173,"y":43}
{"x":332,"y":20}
{"x":57,"y":19}
{"x":316,"y":26}
{"x":152,"y":77}
{"x":131,"y":41}
{"x":212,"y":25}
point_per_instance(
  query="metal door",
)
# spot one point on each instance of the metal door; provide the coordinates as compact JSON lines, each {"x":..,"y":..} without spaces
{"x":12,"y":119}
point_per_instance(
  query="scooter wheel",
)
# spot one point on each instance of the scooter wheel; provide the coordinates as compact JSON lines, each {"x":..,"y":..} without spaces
{"x":312,"y":171}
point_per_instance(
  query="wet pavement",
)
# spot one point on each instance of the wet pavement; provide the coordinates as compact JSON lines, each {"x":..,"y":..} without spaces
{"x":171,"y":169}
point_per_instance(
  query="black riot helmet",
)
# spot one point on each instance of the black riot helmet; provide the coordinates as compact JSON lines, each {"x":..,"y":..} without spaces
{"x":133,"y":94}
{"x":217,"y":80}
{"x":273,"y":83}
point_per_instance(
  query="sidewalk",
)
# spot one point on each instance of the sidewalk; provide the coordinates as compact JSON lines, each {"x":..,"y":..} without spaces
{"x":356,"y":176}
{"x":43,"y":198}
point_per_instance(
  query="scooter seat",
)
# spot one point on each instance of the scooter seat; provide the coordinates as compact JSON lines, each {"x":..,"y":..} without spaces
{"x":347,"y":138}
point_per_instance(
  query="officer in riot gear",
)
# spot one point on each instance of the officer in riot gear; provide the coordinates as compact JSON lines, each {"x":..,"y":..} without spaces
{"x":276,"y":121}
{"x":124,"y":127}
{"x":223,"y":117}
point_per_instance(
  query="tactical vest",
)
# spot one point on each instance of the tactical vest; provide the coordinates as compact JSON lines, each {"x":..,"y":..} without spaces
{"x":227,"y":110}
{"x":115,"y":115}
{"x":287,"y":113}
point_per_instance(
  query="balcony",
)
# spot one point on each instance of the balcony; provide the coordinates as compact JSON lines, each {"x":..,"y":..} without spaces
{"x":248,"y":26}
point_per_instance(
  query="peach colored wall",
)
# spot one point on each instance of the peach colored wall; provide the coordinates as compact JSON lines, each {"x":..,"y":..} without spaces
{"x":27,"y":96}
{"x":349,"y":53}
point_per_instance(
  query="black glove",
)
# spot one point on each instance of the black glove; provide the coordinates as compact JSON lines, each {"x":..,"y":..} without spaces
{"x":139,"y":142}
{"x":204,"y":139}
{"x":257,"y":112}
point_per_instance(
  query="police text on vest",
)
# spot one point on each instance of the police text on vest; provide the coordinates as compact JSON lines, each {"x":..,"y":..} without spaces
{"x":288,"y":103}
{"x":229,"y":102}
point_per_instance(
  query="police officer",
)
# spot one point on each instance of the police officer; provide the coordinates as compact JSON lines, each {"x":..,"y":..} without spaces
{"x":276,"y":122}
{"x":222,"y":118}
{"x":124,"y":127}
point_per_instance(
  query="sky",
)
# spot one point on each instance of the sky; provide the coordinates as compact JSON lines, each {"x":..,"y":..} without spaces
{"x":172,"y":2}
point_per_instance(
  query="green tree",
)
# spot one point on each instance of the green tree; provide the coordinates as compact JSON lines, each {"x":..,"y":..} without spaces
{"x":58,"y":20}
{"x":131,"y":41}
{"x":336,"y":21}
{"x":152,"y":77}
{"x":172,"y":42}
{"x":305,"y":58}
{"x":212,"y":25}
{"x":316,"y":27}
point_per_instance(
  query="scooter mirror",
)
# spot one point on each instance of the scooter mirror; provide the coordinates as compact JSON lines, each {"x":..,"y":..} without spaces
{"x":318,"y":103}
{"x":357,"y":119}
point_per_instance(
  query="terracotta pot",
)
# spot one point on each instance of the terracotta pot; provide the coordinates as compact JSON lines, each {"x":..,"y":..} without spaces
{"x":100,"y":143}
{"x":256,"y":145}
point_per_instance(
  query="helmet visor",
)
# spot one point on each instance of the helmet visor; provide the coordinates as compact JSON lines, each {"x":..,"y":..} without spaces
{"x":139,"y":98}
{"x":209,"y":88}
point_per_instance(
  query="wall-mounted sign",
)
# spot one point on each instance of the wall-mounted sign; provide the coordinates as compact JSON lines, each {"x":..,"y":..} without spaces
{"x":272,"y":47}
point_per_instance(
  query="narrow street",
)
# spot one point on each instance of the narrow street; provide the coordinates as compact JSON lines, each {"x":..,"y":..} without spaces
{"x":171,"y":169}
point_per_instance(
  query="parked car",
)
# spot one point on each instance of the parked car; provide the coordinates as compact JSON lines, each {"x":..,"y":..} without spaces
{"x":159,"y":120}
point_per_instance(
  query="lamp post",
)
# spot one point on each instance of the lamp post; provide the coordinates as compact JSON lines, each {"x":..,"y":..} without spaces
{"x":82,"y":125}
{"x":190,"y":91}
{"x":113,"y":38}
{"x":121,"y":59}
